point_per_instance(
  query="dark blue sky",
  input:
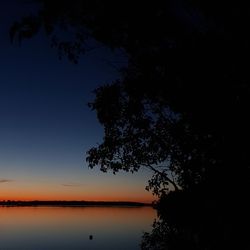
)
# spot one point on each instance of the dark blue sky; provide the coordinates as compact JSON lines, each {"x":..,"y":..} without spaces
{"x":45,"y":124}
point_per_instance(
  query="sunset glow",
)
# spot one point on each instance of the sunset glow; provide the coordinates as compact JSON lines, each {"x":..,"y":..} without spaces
{"x":107,"y":187}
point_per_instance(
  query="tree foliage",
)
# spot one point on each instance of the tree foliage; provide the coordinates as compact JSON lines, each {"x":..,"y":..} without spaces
{"x":181,"y":107}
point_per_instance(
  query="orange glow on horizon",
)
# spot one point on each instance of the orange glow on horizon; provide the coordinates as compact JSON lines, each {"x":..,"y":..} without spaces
{"x":89,"y":197}
{"x":43,"y":198}
{"x":51,"y":191}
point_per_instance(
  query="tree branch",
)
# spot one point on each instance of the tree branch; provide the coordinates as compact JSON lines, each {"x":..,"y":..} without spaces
{"x":163,"y":174}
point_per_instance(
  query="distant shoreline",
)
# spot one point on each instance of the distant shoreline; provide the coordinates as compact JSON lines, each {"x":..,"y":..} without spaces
{"x":73,"y":204}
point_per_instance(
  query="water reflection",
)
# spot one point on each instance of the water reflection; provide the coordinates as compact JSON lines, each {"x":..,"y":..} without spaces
{"x":71,"y":228}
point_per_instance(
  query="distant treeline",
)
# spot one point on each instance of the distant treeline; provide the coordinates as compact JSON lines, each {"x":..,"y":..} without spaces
{"x":72,"y":203}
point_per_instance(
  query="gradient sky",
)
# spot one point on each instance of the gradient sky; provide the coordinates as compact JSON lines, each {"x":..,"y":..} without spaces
{"x":46,"y":126}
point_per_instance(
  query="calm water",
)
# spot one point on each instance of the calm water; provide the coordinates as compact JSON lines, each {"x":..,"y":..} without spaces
{"x":45,"y":228}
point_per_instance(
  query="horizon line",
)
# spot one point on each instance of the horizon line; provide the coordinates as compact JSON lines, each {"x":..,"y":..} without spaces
{"x":76,"y":202}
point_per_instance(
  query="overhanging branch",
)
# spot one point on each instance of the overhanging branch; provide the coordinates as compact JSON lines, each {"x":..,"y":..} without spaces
{"x":163,"y":174}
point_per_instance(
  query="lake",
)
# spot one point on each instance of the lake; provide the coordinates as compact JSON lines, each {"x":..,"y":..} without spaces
{"x":45,"y":228}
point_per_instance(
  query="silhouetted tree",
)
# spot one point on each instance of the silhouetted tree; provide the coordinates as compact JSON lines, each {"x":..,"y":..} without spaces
{"x":181,"y":108}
